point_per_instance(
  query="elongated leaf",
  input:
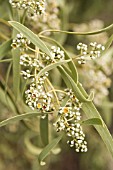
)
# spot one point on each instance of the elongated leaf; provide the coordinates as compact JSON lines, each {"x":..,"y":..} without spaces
{"x":64,"y":101}
{"x":91,"y":112}
{"x":16,"y":72}
{"x":93,"y":121}
{"x":109,"y":42}
{"x":64,"y":16}
{"x":78,"y":93}
{"x":34,"y":149}
{"x":5,"y":48}
{"x":7,"y":78}
{"x":16,"y":60}
{"x":30,"y":36}
{"x":19,"y":117}
{"x":52,"y":66}
{"x":48,"y":148}
{"x":91,"y":96}
{"x":31,"y":148}
{"x":7,"y":102}
{"x":44,"y":131}
{"x":71,"y":63}
{"x":65,"y":78}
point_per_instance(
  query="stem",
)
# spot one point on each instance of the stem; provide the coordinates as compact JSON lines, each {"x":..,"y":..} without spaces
{"x":36,"y":51}
{"x":6,"y":60}
{"x":5,"y":22}
{"x":10,"y":94}
{"x":79,"y":33}
{"x":23,"y":16}
{"x":3,"y":36}
{"x":56,"y":90}
{"x":53,"y":91}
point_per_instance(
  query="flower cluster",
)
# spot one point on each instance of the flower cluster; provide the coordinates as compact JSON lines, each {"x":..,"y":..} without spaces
{"x":26,"y":74}
{"x":27,"y":60}
{"x":34,"y":7}
{"x":21,"y":42}
{"x":48,"y":21}
{"x":56,"y":53}
{"x":36,"y":98}
{"x":69,"y":121}
{"x":93,"y":51}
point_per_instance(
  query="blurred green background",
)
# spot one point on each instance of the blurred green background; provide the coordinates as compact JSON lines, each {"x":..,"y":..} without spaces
{"x":14,"y":155}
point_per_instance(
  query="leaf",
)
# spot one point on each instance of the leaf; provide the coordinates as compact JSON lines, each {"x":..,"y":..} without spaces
{"x":19,"y":117}
{"x":64,"y":101}
{"x":108,"y":44}
{"x":91,"y":96}
{"x":64,"y":17}
{"x":5,"y":48}
{"x":52,"y":66}
{"x":31,"y":148}
{"x":91,"y":112}
{"x":71,"y":63}
{"x":7,"y":78}
{"x":65,"y":78}
{"x":30,"y":36}
{"x":93,"y":121}
{"x":44,"y":130}
{"x":48,"y":148}
{"x":16,"y":60}
{"x":16,"y":72}
{"x":7,"y":102}
{"x":76,"y":90}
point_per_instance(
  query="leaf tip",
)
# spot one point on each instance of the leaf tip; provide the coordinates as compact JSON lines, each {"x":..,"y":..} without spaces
{"x":42,"y":163}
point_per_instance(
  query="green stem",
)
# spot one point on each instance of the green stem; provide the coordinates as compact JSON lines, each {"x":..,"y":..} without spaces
{"x":80,"y":33}
{"x":6,"y":60}
{"x":3,"y":36}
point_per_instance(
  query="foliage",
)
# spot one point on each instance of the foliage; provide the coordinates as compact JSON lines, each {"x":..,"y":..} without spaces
{"x":49,"y":86}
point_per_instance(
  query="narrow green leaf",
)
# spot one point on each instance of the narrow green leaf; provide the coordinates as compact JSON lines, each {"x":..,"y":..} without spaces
{"x":64,"y":101}
{"x":16,"y":60}
{"x":71,"y":63}
{"x":20,"y":117}
{"x":93,"y":121}
{"x":5,"y":48}
{"x":91,"y":112}
{"x":79,"y":85}
{"x":78,"y":93}
{"x":52,"y":66}
{"x":16,"y":72}
{"x":44,"y":131}
{"x":31,"y":148}
{"x":108,"y":44}
{"x":91,"y":96}
{"x":65,"y":78}
{"x":8,"y":103}
{"x":7,"y":78}
{"x":64,"y":16}
{"x":48,"y":148}
{"x":30,"y":36}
